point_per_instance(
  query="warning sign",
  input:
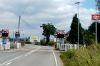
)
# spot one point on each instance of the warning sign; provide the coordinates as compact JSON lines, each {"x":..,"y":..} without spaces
{"x":96,"y":17}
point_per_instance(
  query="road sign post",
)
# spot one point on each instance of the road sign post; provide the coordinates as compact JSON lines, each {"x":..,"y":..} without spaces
{"x":96,"y":17}
{"x":5,"y":34}
{"x":4,"y":42}
{"x":17,"y":35}
{"x":60,"y":38}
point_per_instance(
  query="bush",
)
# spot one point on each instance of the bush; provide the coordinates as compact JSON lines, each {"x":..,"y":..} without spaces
{"x":12,"y":46}
{"x":89,"y":38}
{"x":51,"y":43}
{"x":22,"y":43}
{"x":42,"y":42}
{"x":28,"y":42}
{"x":89,"y":56}
{"x":67,"y":57}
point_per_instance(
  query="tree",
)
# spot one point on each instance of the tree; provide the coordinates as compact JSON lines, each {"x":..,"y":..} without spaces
{"x":92,"y":29}
{"x":89,"y":37}
{"x":42,"y":42}
{"x":73,"y":35}
{"x":48,"y":29}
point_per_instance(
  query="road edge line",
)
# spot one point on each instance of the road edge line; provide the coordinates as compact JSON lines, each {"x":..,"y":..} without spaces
{"x":55,"y":58}
{"x":28,"y":53}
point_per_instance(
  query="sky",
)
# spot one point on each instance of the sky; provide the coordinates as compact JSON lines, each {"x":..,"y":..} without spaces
{"x":34,"y":13}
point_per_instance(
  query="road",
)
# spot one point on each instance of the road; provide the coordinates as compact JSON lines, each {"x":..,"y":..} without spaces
{"x":30,"y":56}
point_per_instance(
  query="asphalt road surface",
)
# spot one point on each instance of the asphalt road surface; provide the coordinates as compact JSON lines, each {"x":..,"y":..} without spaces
{"x":30,"y":56}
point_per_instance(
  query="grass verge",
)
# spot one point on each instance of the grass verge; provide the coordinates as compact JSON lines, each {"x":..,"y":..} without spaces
{"x":89,"y":56}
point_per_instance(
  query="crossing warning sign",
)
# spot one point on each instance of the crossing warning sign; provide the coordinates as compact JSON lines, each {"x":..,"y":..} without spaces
{"x":95,"y":16}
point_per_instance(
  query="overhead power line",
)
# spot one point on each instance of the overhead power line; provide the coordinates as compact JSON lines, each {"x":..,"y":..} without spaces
{"x":28,"y":24}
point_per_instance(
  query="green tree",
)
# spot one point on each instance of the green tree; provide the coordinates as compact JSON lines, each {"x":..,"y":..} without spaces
{"x":92,"y":29}
{"x":42,"y":42}
{"x":48,"y":29}
{"x":89,"y":37}
{"x":73,"y":36}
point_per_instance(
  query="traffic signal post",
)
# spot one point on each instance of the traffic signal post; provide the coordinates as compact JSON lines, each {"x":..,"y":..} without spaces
{"x":5,"y":34}
{"x":17,"y":35}
{"x":60,"y":38}
{"x":18,"y":44}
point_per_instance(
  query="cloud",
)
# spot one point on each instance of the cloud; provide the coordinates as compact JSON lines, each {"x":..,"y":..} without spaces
{"x":36,"y":12}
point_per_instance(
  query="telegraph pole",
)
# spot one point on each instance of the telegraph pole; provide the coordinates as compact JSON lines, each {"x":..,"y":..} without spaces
{"x":17,"y":34}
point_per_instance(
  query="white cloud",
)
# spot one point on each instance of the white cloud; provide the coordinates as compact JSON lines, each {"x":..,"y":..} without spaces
{"x":36,"y":12}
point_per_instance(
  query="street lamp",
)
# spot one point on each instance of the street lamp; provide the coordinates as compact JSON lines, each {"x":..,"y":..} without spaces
{"x":78,"y":4}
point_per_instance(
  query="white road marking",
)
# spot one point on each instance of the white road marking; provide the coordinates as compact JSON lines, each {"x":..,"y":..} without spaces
{"x":11,"y":61}
{"x":8,"y":63}
{"x":25,"y":55}
{"x":55,"y":58}
{"x":32,"y":51}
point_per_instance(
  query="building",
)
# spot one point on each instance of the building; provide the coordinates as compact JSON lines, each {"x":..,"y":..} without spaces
{"x":35,"y":39}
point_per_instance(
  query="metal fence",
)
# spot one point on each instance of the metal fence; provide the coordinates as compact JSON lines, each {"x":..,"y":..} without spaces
{"x":67,"y":46}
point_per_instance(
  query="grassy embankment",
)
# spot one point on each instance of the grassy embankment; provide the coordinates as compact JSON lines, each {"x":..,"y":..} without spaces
{"x":89,"y":56}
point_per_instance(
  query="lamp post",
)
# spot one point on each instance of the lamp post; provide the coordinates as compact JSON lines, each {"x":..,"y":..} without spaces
{"x":78,"y":6}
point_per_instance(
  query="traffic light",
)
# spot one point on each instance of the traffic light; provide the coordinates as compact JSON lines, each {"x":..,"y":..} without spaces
{"x":17,"y":34}
{"x":4,"y":34}
{"x":60,"y":35}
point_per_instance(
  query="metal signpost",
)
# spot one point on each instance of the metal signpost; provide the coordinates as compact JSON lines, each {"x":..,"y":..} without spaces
{"x":96,"y":17}
{"x":60,"y":38}
{"x":17,"y":35}
{"x":4,"y":42}
{"x":5,"y":34}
